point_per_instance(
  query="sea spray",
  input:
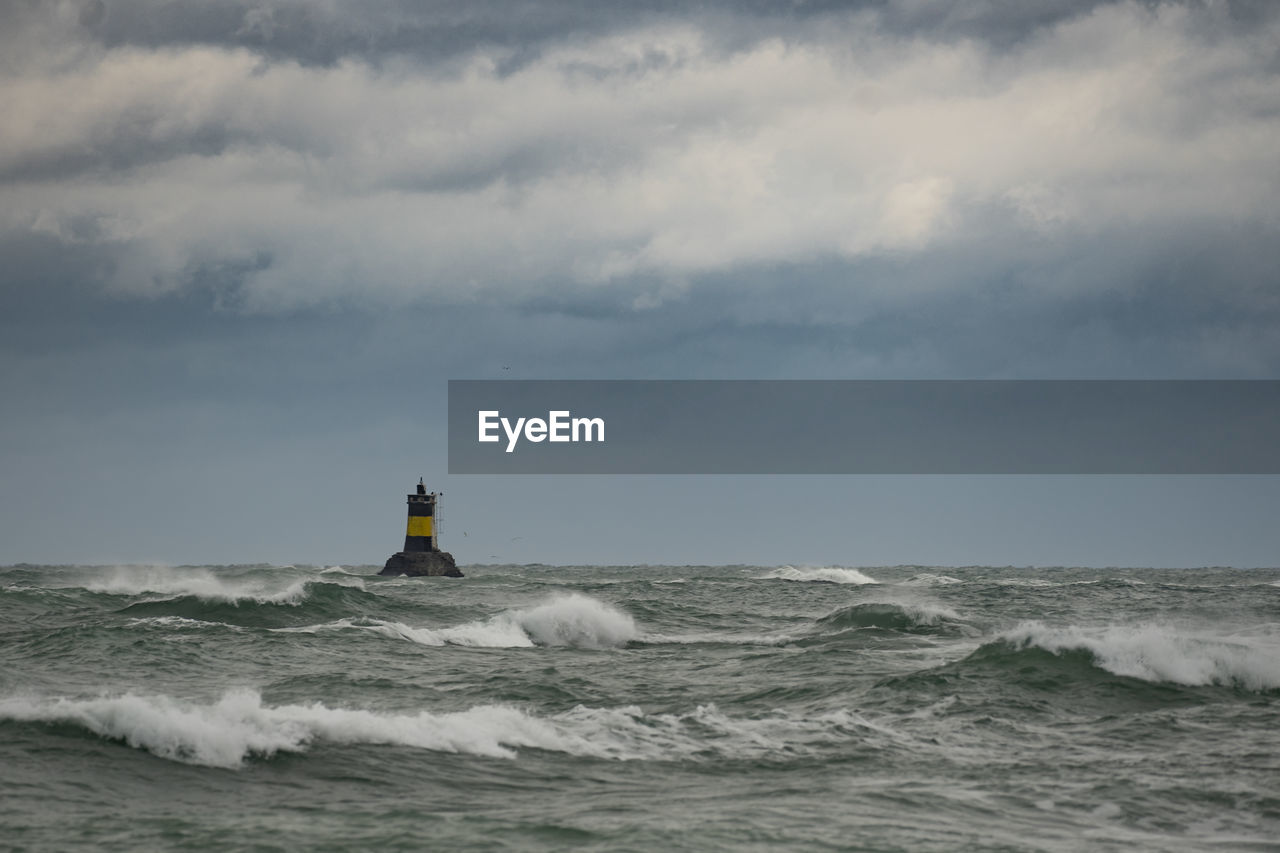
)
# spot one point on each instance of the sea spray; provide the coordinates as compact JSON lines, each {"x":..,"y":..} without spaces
{"x":1161,"y":653}
{"x":575,"y":620}
{"x":891,"y":615}
{"x":930,"y":579}
{"x":239,"y":726}
{"x":207,"y":585}
{"x":823,"y":574}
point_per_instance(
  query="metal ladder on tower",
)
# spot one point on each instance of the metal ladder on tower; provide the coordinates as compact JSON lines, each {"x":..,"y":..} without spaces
{"x":435,"y":524}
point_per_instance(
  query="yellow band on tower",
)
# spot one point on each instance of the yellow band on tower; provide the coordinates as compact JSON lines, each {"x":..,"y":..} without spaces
{"x":419,"y":525}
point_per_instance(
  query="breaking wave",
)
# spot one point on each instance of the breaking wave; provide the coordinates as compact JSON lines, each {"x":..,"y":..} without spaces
{"x":208,"y":586}
{"x":310,"y":601}
{"x":238,"y":726}
{"x":929,"y":579}
{"x":892,"y":616}
{"x":1157,"y":653}
{"x":828,"y":574}
{"x":574,"y":620}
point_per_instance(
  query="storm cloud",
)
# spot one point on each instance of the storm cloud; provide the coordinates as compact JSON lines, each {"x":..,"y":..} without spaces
{"x":907,"y":188}
{"x":645,"y":151}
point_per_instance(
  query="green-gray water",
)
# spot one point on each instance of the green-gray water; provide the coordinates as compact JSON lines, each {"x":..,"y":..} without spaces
{"x":639,"y":708}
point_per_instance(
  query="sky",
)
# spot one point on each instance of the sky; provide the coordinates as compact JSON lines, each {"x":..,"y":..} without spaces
{"x":245,"y":243}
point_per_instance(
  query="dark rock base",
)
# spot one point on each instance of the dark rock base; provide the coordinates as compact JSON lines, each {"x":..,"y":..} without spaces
{"x":421,"y":564}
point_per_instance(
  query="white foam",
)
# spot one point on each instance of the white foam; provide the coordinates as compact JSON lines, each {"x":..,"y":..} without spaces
{"x":918,"y":614}
{"x":238,"y":726}
{"x":924,"y":613}
{"x":628,"y":733}
{"x":205,"y":585}
{"x":1162,"y":653}
{"x":928,"y":579}
{"x":392,"y":630}
{"x":180,"y":622}
{"x":1033,"y":583}
{"x":725,"y":637}
{"x":829,"y":574}
{"x":575,"y":620}
{"x":918,"y":611}
{"x":499,"y":632}
{"x":936,"y":709}
{"x":569,"y":620}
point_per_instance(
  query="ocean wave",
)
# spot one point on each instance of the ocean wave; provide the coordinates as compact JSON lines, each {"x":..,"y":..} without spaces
{"x":825,"y":574}
{"x":929,"y":579}
{"x":206,"y":585}
{"x":238,"y":726}
{"x":575,"y":620}
{"x":471,"y":634}
{"x":1029,"y":583}
{"x":178,"y":622}
{"x":718,"y":638}
{"x":891,"y":615}
{"x":1159,"y":653}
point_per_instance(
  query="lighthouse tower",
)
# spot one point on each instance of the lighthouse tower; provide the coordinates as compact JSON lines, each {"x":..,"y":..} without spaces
{"x":420,"y":533}
{"x":422,"y":556}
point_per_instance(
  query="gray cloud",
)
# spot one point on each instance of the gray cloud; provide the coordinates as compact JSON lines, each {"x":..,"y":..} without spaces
{"x":634,"y":160}
{"x":442,"y":30}
{"x":872,"y":189}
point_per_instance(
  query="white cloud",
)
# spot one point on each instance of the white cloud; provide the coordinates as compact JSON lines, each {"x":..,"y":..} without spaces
{"x":647,"y":153}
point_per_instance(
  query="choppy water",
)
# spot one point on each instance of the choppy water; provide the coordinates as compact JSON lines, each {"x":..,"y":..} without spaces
{"x":639,"y":708}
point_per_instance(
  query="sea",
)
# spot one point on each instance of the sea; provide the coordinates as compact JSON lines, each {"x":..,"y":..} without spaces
{"x":639,"y":708}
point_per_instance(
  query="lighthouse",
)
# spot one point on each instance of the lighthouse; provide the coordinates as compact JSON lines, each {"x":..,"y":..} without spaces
{"x":422,"y":556}
{"x":420,"y":532}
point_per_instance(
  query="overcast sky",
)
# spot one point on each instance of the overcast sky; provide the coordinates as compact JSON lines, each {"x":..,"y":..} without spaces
{"x":244,"y":244}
